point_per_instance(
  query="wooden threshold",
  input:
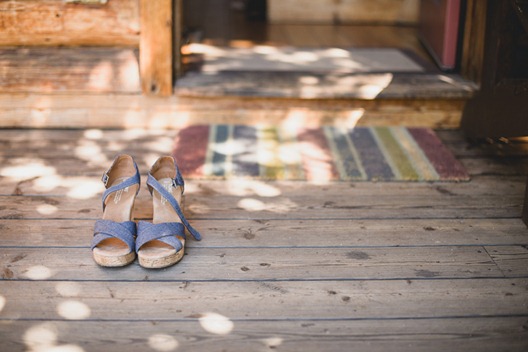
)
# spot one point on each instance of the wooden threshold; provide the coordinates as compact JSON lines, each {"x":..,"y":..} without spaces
{"x":31,"y":110}
{"x":100,"y":88}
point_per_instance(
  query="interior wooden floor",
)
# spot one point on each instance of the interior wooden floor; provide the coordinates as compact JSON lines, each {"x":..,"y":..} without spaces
{"x":284,"y":266}
{"x":217,"y":23}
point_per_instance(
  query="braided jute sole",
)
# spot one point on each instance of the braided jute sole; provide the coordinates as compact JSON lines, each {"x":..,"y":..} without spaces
{"x":158,"y":263}
{"x":113,"y":261}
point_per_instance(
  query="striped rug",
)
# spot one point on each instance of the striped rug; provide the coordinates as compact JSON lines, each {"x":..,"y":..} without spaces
{"x":315,"y":154}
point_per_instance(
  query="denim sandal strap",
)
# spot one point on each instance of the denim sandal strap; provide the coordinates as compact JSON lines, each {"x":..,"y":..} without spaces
{"x":178,"y":181}
{"x":105,"y":229}
{"x":165,"y":232}
{"x":133,"y":180}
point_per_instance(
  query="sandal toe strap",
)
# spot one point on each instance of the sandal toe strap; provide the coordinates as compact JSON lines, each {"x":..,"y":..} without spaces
{"x":105,"y":229}
{"x":165,"y":232}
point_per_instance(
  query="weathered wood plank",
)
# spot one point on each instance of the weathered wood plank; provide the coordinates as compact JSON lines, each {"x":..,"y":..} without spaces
{"x":525,"y":206}
{"x":241,"y":264}
{"x":58,"y":146}
{"x":512,"y":260}
{"x":291,"y":233}
{"x":489,"y":334}
{"x":294,"y":205}
{"x":495,"y":166}
{"x":344,"y":11}
{"x":472,"y":57}
{"x":332,"y":85}
{"x":155,"y":47}
{"x":88,"y":157}
{"x":53,"y":179}
{"x":57,"y":300}
{"x":92,"y":70}
{"x":56,"y":22}
{"x":138,"y":111}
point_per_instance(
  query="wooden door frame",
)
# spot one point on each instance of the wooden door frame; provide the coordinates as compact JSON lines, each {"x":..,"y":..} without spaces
{"x":525,"y":207}
{"x":496,"y":109}
{"x":156,"y":54}
{"x":479,"y":63}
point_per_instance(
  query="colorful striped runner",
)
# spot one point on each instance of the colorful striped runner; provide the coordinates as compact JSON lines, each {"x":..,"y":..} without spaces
{"x":315,"y":154}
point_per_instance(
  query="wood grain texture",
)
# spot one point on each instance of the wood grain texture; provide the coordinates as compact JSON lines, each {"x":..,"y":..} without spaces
{"x":136,"y":111}
{"x":436,"y":335}
{"x":525,"y":206}
{"x":344,"y":11}
{"x":292,"y":202}
{"x":265,"y":300}
{"x":400,"y":335}
{"x":55,"y":22}
{"x":340,"y":266}
{"x":352,"y":234}
{"x":89,"y":70}
{"x":331,"y":85}
{"x":155,"y":47}
{"x":282,"y":264}
{"x":472,"y":57}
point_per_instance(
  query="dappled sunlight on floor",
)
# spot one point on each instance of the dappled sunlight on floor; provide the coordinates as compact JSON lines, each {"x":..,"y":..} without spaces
{"x":27,"y":169}
{"x":47,"y":209}
{"x":68,"y":289}
{"x":273,"y":342}
{"x":44,"y":338}
{"x":38,"y":272}
{"x":290,"y":59}
{"x":71,"y":171}
{"x":2,"y":302}
{"x":216,"y":323}
{"x":163,"y":342}
{"x":73,"y":310}
{"x":283,"y":265}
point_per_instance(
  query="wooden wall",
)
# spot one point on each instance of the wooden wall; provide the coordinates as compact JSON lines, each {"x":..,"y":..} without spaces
{"x":343,"y":11}
{"x":56,"y":22}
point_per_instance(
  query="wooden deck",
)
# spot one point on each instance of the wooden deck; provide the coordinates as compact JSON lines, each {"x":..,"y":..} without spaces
{"x":284,"y":266}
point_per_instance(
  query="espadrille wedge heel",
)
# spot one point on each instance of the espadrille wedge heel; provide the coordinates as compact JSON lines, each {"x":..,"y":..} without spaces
{"x":161,"y":243}
{"x":113,"y":243}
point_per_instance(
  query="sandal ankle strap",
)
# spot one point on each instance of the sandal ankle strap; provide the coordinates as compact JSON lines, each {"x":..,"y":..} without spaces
{"x":132,"y":180}
{"x":177,"y":181}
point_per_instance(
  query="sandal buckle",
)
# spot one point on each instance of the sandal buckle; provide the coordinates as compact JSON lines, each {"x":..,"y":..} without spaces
{"x":105,"y":178}
{"x":175,"y":184}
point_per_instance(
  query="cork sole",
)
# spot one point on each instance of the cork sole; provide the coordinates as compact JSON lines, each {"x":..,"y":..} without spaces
{"x":157,"y":254}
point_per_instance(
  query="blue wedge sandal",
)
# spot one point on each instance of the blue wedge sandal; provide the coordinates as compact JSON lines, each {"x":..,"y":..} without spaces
{"x":161,"y":243}
{"x":113,"y":243}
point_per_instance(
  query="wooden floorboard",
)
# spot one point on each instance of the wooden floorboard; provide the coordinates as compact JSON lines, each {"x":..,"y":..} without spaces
{"x":286,"y":233}
{"x":293,"y":205}
{"x":263,"y":300}
{"x":490,"y":334}
{"x":283,"y":264}
{"x":363,"y":266}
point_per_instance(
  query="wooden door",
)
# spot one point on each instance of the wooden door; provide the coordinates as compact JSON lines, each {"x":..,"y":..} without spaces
{"x":438,"y":30}
{"x":500,"y":107}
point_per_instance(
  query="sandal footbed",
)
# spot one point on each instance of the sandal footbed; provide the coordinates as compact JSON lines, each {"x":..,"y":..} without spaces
{"x":113,"y":252}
